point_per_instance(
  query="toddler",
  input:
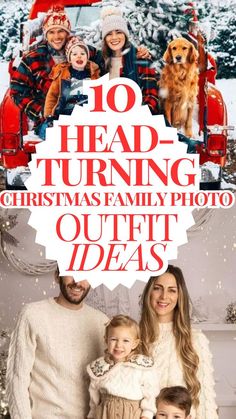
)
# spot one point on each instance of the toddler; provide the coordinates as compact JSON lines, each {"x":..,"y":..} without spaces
{"x":124,"y":383}
{"x":174,"y":403}
{"x":66,"y":89}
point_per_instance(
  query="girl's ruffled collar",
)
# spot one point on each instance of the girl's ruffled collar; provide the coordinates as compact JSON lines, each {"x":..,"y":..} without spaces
{"x":103,"y":365}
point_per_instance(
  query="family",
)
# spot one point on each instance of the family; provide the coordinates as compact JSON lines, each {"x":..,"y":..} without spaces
{"x":67,"y":360}
{"x":48,"y":80}
{"x":161,"y":368}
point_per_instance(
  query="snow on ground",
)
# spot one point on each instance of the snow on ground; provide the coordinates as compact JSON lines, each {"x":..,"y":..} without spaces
{"x":228,"y":89}
{"x":4,"y":81}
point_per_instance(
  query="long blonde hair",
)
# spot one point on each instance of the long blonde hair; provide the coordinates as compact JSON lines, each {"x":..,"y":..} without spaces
{"x":181,"y":329}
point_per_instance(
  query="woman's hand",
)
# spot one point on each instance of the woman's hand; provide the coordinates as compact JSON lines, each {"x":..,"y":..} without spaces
{"x":144,"y":54}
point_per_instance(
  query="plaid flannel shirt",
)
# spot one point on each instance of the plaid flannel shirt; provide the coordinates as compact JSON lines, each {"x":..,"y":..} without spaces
{"x":30,"y":81}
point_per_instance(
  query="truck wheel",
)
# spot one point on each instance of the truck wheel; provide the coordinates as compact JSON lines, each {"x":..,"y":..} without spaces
{"x":14,"y":187}
{"x":210,"y":186}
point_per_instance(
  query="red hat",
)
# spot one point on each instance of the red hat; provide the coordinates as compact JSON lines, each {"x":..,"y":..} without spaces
{"x":72,"y":42}
{"x":56,"y":18}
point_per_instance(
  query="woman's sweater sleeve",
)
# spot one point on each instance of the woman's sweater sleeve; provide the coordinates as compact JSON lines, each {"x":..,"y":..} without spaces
{"x":20,"y":362}
{"x":207,"y":408}
{"x":150,"y":392}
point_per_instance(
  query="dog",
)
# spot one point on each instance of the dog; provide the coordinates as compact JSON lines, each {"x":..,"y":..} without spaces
{"x":179,"y":84}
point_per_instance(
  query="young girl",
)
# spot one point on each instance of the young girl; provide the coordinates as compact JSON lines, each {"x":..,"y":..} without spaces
{"x":180,"y":353}
{"x":121,"y":57}
{"x":66,"y":89}
{"x":124,"y":383}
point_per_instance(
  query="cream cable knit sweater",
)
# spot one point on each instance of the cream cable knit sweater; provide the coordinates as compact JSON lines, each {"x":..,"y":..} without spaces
{"x":49,"y":351}
{"x":170,"y":369}
{"x":136,"y":379}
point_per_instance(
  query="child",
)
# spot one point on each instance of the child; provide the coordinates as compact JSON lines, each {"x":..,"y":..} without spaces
{"x":174,"y":403}
{"x":66,"y":89}
{"x":122,"y":383}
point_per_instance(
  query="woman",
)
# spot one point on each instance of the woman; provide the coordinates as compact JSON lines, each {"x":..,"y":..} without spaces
{"x":181,"y":353}
{"x":120,"y":57}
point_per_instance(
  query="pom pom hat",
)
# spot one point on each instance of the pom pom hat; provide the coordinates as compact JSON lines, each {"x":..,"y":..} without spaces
{"x":112,"y":20}
{"x":75,"y":41}
{"x":56,"y":18}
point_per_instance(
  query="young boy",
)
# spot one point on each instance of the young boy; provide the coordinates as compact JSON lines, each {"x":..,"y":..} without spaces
{"x":66,"y":88}
{"x":173,"y":403}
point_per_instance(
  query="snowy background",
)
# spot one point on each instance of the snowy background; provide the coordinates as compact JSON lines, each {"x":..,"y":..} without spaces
{"x":152,"y":22}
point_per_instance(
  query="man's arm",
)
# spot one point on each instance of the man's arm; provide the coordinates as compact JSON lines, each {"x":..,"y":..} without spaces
{"x":22,"y":91}
{"x":20,"y":362}
{"x":30,"y":83}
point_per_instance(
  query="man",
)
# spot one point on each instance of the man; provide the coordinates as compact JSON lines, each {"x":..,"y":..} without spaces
{"x":30,"y":81}
{"x":52,"y":344}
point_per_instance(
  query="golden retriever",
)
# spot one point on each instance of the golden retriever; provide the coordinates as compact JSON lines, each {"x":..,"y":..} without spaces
{"x":179,"y":84}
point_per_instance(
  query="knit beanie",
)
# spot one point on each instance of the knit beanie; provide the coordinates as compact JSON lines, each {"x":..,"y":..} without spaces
{"x":56,"y":18}
{"x":112,"y":20}
{"x":75,"y":41}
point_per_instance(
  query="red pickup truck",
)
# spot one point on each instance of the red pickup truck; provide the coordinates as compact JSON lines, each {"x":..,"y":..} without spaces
{"x":16,"y":143}
{"x":16,"y":146}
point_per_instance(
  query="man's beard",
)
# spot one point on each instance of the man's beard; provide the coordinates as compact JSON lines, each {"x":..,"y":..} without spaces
{"x":65,"y":290}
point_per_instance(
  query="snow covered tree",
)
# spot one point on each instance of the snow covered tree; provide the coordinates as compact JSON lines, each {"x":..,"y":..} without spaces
{"x":11,"y":15}
{"x":155,"y":23}
{"x":224,"y":45}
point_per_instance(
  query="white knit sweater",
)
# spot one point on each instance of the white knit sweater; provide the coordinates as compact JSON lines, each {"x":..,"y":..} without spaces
{"x":116,"y":65}
{"x":136,"y":379}
{"x":171,"y":373}
{"x":49,"y":351}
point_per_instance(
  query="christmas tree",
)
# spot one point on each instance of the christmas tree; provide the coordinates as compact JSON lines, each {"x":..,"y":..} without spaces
{"x":156,"y":23}
{"x":11,"y":15}
{"x":224,"y":45}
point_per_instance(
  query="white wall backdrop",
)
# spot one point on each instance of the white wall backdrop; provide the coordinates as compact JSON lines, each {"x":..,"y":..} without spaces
{"x":208,"y":261}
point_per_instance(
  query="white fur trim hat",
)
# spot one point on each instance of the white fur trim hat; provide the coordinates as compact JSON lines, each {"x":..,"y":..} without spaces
{"x":56,"y":18}
{"x":75,"y":41}
{"x":112,"y":20}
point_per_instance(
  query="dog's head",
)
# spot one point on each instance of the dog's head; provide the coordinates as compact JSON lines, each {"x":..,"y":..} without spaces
{"x":180,"y":51}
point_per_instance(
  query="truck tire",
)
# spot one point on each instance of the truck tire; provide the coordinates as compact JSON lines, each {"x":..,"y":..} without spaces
{"x":210,"y":186}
